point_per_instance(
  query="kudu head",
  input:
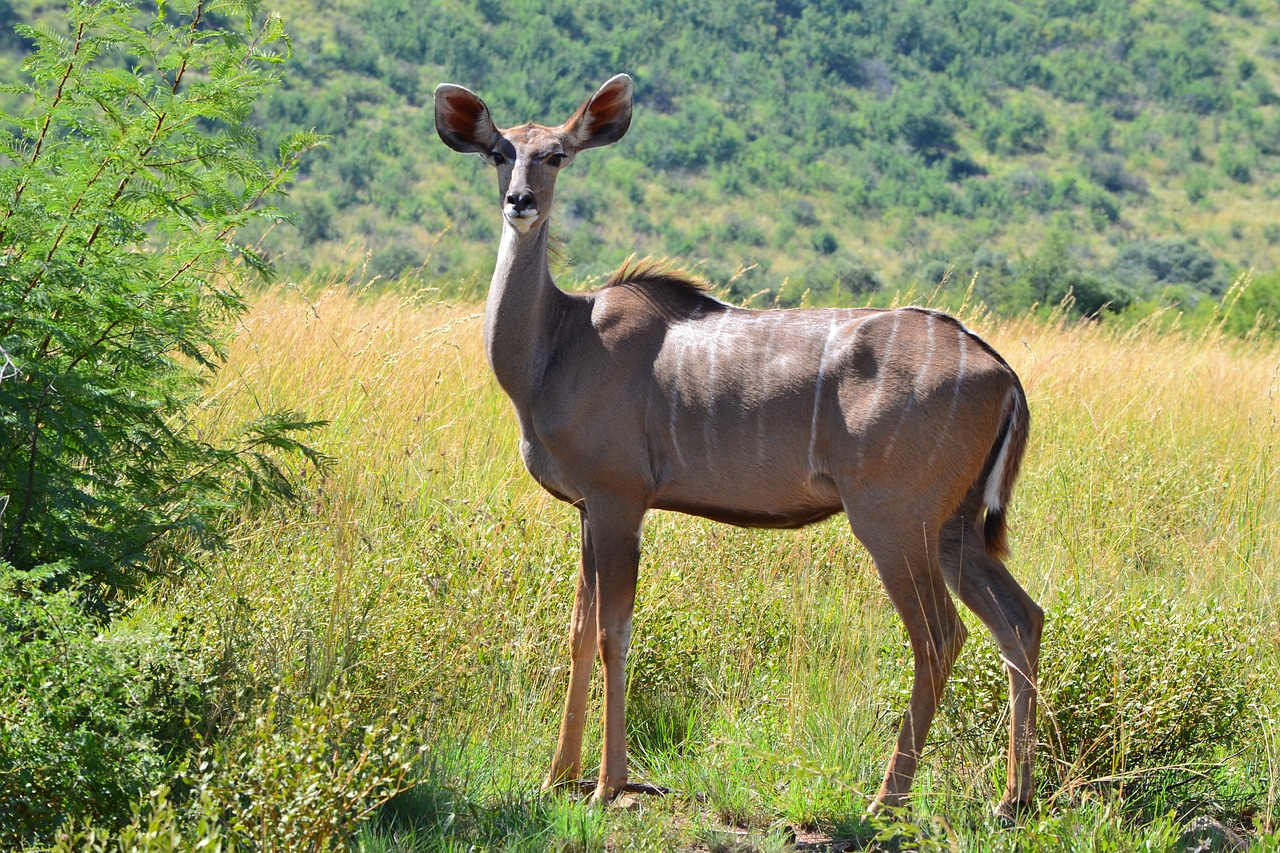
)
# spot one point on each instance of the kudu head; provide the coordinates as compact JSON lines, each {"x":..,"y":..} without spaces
{"x":529,"y":157}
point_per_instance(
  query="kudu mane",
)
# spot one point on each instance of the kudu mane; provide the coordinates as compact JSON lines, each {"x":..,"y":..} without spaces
{"x":664,"y":285}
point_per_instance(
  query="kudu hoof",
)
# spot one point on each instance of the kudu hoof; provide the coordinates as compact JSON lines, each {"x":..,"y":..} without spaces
{"x":1007,"y":812}
{"x":591,"y":787}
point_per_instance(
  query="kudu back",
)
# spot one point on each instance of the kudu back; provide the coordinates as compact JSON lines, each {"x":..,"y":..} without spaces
{"x":651,"y":394}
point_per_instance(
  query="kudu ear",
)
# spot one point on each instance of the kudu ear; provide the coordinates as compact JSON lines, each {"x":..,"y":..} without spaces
{"x":604,"y":118}
{"x":463,"y":121}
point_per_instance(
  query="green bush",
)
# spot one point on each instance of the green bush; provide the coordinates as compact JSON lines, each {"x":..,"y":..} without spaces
{"x":305,"y":780}
{"x":89,"y":721}
{"x":1257,"y":305}
{"x":1148,"y":266}
{"x":1088,"y":295}
{"x":125,"y":180}
{"x":1129,"y":687}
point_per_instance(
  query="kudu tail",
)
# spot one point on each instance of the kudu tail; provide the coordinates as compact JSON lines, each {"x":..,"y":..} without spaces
{"x":1002,"y":469}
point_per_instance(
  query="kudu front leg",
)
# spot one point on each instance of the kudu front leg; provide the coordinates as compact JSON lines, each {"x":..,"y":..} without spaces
{"x":615,"y":539}
{"x":566,"y":765}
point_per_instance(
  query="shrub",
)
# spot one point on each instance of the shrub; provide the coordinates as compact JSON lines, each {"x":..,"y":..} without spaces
{"x":825,"y":242}
{"x":1238,"y":164}
{"x":1109,"y":171}
{"x":804,"y":213}
{"x":301,"y":781}
{"x":89,"y":721}
{"x":839,"y":278}
{"x":392,"y":262}
{"x":306,"y":781}
{"x":1128,"y":686}
{"x":1102,"y":205}
{"x":1257,"y":305}
{"x":1089,"y":295}
{"x":125,"y":182}
{"x":315,"y":219}
{"x":1019,"y":126}
{"x":1143,"y":266}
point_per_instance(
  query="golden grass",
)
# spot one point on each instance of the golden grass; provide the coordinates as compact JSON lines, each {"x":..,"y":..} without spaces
{"x":1151,"y":458}
{"x":430,"y":570}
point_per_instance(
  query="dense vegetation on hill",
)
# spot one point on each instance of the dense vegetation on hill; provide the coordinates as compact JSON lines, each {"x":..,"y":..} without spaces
{"x":1114,"y":148}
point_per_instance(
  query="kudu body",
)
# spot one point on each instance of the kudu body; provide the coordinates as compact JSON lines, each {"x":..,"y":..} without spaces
{"x":651,"y":394}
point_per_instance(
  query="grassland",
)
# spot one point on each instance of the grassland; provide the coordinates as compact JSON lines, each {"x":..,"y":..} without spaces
{"x":425,"y":572}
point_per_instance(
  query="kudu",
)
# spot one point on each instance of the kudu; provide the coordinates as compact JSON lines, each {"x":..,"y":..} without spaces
{"x":651,"y":394}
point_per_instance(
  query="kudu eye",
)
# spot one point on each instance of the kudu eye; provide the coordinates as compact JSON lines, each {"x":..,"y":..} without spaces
{"x":556,"y":160}
{"x":497,"y":157}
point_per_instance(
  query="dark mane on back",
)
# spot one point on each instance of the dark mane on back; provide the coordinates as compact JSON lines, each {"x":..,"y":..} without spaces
{"x":661,"y":281}
{"x":972,"y":335}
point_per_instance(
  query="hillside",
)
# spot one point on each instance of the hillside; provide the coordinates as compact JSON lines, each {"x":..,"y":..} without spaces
{"x":1127,"y":150}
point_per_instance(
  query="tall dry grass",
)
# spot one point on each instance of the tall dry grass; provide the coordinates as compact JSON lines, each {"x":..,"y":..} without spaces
{"x":768,"y":670}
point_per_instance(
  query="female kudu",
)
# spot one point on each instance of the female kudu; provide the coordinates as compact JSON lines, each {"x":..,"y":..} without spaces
{"x":651,"y":394}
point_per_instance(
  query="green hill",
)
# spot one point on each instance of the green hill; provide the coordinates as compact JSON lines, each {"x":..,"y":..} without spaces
{"x":1127,"y":150}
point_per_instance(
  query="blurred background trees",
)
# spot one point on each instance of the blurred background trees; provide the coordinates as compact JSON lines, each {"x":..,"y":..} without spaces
{"x":920,"y":135}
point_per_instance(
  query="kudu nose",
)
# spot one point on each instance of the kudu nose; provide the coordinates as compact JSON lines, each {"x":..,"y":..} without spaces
{"x":521,"y":201}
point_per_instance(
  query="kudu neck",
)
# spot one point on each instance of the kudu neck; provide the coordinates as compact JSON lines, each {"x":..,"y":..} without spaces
{"x":522,"y":307}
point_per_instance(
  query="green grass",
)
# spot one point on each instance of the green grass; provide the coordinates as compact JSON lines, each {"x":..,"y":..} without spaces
{"x":429,"y":574}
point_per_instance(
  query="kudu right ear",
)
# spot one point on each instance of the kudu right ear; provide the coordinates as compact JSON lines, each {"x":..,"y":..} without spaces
{"x":463,"y":121}
{"x":604,"y":118}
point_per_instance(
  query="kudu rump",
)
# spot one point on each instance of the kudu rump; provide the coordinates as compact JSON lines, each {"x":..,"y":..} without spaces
{"x":651,"y":394}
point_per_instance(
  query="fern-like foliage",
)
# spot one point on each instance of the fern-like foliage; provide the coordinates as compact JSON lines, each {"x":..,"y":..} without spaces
{"x":123,"y":184}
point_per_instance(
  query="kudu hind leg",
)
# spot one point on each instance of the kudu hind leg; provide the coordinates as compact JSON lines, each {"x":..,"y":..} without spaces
{"x":567,"y":763}
{"x":989,"y":590}
{"x":916,"y":588}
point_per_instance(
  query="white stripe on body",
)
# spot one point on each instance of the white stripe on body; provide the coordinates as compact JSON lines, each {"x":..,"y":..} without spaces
{"x":674,"y":417}
{"x":955,"y":395}
{"x":916,"y":387}
{"x":817,"y":393}
{"x":770,"y":338}
{"x":713,"y":354}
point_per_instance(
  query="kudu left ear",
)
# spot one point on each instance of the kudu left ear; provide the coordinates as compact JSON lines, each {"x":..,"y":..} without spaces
{"x":604,"y":118}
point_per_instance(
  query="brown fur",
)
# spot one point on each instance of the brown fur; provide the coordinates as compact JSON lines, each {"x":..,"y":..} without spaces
{"x":651,"y":394}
